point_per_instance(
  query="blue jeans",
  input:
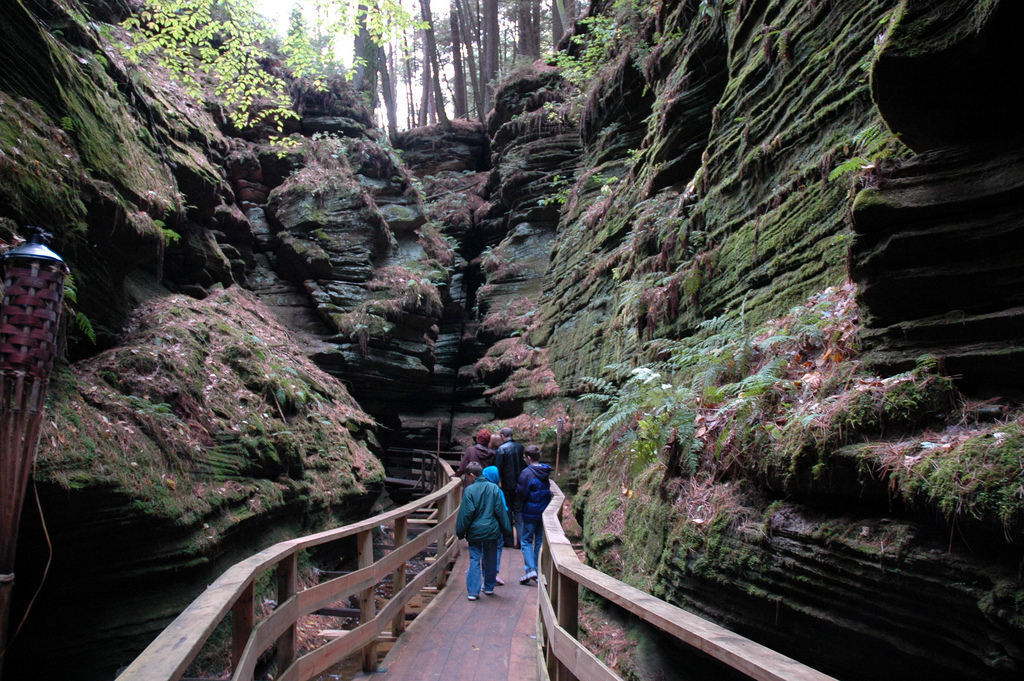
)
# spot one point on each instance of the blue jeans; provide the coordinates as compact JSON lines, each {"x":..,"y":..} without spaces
{"x":533,"y":537}
{"x":482,"y":554}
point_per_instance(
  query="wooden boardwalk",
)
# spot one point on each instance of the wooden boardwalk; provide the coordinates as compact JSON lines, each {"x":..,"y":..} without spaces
{"x":455,"y":639}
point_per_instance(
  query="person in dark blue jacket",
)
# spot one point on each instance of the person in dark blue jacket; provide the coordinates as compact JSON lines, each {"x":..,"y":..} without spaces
{"x":533,"y":494}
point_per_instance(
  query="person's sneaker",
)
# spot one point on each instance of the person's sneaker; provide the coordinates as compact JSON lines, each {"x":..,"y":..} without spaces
{"x":525,"y":580}
{"x":489,"y":593}
{"x":499,"y":581}
{"x":472,"y":597}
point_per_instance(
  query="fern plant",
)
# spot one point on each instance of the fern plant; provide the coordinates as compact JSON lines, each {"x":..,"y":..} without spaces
{"x":641,"y":415}
{"x":82,"y":322}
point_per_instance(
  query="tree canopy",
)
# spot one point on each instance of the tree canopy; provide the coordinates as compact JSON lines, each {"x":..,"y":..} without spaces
{"x":451,"y":58}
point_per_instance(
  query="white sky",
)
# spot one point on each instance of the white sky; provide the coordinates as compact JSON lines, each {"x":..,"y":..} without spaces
{"x":278,"y":10}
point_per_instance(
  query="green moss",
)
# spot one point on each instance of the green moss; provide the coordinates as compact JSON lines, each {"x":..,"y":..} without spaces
{"x":40,"y":170}
{"x":980,"y":477}
{"x":201,"y":416}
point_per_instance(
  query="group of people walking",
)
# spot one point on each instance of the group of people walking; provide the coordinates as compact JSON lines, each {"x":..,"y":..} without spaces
{"x":507,"y":490}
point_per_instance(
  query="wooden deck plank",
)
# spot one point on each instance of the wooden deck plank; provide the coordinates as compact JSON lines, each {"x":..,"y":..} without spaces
{"x":455,"y":639}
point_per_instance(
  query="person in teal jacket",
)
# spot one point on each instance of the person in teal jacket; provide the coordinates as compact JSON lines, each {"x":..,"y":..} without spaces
{"x":483,"y":522}
{"x":491,"y":473}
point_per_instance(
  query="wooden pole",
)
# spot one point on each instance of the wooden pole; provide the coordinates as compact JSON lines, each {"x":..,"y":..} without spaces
{"x":367,"y":606}
{"x":558,"y":445}
{"x":287,"y":586}
{"x":243,"y":619}
{"x":443,"y":511}
{"x":399,"y":579}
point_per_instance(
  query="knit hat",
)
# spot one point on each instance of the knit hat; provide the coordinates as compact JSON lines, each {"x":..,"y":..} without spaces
{"x":483,"y":437}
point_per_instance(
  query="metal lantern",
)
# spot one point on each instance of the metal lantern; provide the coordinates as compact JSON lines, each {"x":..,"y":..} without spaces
{"x":29,"y":319}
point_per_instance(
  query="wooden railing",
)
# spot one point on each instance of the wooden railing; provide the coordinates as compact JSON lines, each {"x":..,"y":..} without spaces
{"x":562,"y":574}
{"x":170,"y":654}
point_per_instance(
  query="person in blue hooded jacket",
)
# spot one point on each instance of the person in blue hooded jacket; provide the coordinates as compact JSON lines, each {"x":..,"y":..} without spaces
{"x":533,"y":494}
{"x":491,"y":473}
{"x":482,"y":521}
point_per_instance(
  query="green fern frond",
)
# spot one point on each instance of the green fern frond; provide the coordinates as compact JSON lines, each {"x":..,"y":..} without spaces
{"x":85,"y":326}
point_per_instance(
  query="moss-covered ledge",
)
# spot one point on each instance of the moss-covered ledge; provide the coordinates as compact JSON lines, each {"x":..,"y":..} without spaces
{"x":204,"y":437}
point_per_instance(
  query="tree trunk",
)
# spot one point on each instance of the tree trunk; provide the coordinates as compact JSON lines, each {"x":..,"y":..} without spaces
{"x":430,"y":47}
{"x":425,"y":88}
{"x":361,"y":40}
{"x":557,"y":23}
{"x":471,"y":30}
{"x":460,"y":97}
{"x":365,"y":78}
{"x":492,"y":43}
{"x":563,"y":12}
{"x":389,"y":94}
{"x":528,"y":20}
{"x":409,"y":96}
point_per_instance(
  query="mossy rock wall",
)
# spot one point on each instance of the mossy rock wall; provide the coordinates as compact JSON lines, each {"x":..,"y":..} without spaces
{"x":200,"y":433}
{"x":938,"y":242}
{"x":109,"y":158}
{"x":717,"y":159}
{"x":723,"y":149}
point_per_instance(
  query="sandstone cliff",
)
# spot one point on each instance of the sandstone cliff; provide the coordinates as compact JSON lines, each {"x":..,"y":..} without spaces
{"x":747,"y":456}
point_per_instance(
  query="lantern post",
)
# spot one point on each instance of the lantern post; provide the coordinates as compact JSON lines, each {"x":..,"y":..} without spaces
{"x":558,"y":444}
{"x":29,"y":319}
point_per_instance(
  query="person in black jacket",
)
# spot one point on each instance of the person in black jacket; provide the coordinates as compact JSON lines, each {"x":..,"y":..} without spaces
{"x":510,"y":463}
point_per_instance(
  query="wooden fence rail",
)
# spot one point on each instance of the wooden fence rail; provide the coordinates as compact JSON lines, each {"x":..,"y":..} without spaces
{"x":562,"y":574}
{"x":170,"y":654}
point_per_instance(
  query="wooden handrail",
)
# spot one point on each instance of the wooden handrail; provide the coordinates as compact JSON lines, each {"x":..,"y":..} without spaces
{"x":170,"y":654}
{"x":563,"y":574}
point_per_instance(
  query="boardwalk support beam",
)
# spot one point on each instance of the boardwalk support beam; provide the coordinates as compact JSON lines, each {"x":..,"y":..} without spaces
{"x":287,"y":586}
{"x":243,"y":617}
{"x":398,"y":580}
{"x":367,"y":607}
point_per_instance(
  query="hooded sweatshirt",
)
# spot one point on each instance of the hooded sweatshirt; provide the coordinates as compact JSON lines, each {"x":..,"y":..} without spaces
{"x":534,"y":491}
{"x":491,"y":473}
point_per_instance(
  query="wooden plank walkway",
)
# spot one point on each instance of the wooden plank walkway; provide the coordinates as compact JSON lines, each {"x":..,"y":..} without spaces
{"x":455,"y":639}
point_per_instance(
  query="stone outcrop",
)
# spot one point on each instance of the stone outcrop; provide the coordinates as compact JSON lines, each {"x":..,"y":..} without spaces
{"x":204,"y":432}
{"x":203,"y":437}
{"x":460,"y":148}
{"x":939,"y":242}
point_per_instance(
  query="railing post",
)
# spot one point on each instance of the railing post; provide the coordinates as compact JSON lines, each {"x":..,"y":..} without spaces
{"x":443,"y":511}
{"x":287,"y":586}
{"x":243,"y":619}
{"x":568,"y":615}
{"x":551,"y":577}
{"x":398,"y":581}
{"x":367,"y":607}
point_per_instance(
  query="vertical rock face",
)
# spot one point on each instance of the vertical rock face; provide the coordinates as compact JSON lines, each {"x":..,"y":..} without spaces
{"x":939,"y":246}
{"x":196,"y":431}
{"x":721,"y":155}
{"x":536,"y":148}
